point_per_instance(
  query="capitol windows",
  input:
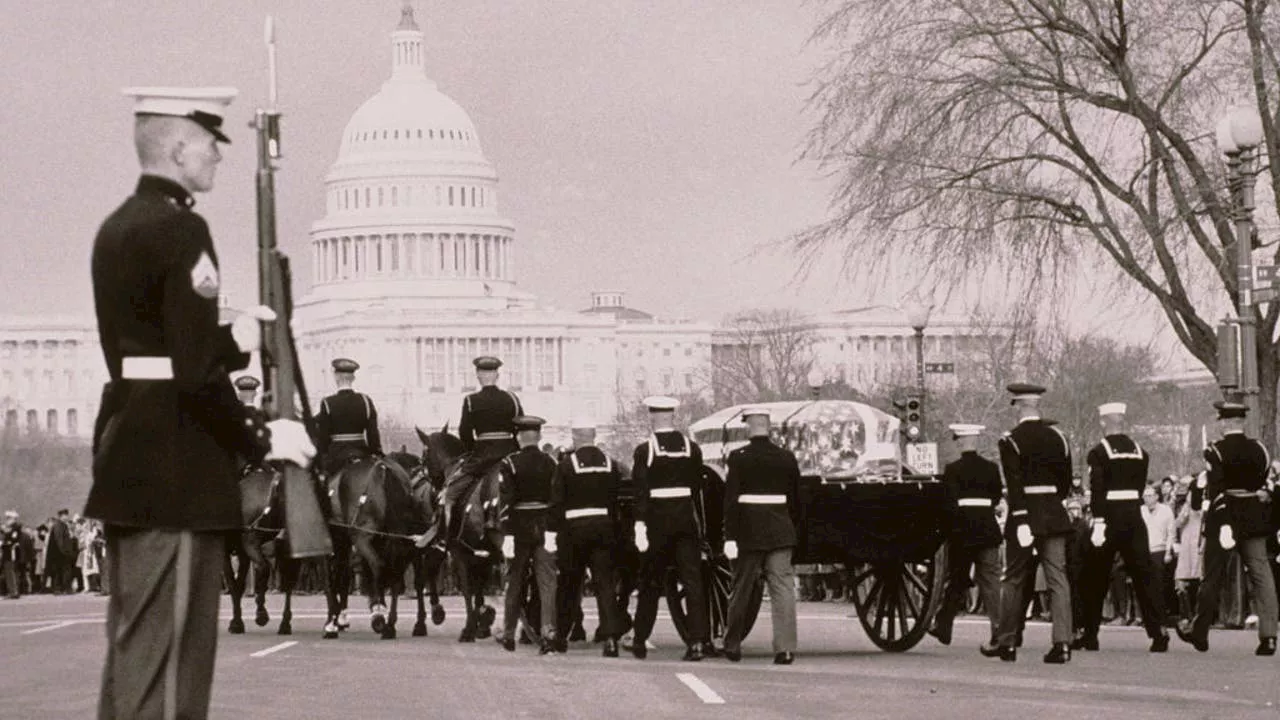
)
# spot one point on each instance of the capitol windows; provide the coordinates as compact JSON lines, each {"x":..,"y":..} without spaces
{"x":367,"y":195}
{"x":33,"y":421}
{"x":419,"y":133}
{"x":10,"y":348}
{"x":395,"y":196}
{"x":73,"y":422}
{"x":10,"y":419}
{"x":688,"y":381}
{"x":450,"y":196}
{"x":481,"y":197}
{"x":544,"y":363}
{"x":51,"y":422}
{"x":69,"y":382}
{"x":668,"y":378}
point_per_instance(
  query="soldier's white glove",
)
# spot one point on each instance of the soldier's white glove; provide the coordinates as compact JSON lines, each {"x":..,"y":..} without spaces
{"x":509,"y":547}
{"x":1202,"y":481}
{"x":549,"y":542}
{"x":290,"y":442}
{"x":1099,"y":537}
{"x":1226,"y":537}
{"x":731,"y":549}
{"x":246,"y":330}
{"x":1024,"y":535}
{"x":642,"y":537}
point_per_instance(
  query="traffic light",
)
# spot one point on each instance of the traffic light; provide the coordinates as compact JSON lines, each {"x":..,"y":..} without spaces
{"x":1228,"y":355}
{"x":913,"y":419}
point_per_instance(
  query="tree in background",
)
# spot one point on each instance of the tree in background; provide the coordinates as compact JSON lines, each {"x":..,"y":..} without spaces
{"x":764,"y":355}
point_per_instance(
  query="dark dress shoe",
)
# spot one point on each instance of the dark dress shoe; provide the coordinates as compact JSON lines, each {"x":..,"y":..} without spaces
{"x":784,"y":658}
{"x":733,"y":655}
{"x":941,"y":633}
{"x":1017,"y":640}
{"x":639,"y":649}
{"x":1266,"y":647}
{"x":993,"y":650}
{"x":1200,"y":644}
{"x":1088,"y":643}
{"x":1059,"y":654}
{"x":1160,"y":643}
{"x":693,"y":653}
{"x":610,"y":648}
{"x":709,"y":650}
{"x":577,"y":634}
{"x":547,"y":647}
{"x":508,"y":644}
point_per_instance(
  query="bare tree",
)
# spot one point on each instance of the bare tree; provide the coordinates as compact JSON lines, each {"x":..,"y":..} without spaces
{"x":762,"y":356}
{"x":1020,"y":141}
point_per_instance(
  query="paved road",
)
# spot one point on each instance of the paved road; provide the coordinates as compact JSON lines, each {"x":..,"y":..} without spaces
{"x":51,"y":650}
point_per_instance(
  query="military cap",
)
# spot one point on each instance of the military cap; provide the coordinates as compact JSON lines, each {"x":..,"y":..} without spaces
{"x":247,"y":382}
{"x":582,"y":421}
{"x":528,"y":422}
{"x":1075,"y":501}
{"x":661,"y":403}
{"x":204,"y":106}
{"x":1227,"y":410}
{"x":966,"y":430}
{"x":755,"y":412}
{"x":1114,"y":408}
{"x":487,"y":362}
{"x":1024,"y":391}
{"x":345,"y":365}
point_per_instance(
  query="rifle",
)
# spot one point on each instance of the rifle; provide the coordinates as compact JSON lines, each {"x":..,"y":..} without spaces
{"x":283,"y":389}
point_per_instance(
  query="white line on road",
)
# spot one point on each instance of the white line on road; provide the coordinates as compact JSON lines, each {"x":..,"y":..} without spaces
{"x":700,"y":688}
{"x":274,"y":648}
{"x":46,"y":628}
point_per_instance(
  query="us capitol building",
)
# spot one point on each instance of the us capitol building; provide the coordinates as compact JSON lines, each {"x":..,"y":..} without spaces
{"x":414,"y":273}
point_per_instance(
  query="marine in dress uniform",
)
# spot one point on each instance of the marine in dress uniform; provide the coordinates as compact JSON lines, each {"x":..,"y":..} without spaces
{"x":1036,"y":460}
{"x":347,"y":422}
{"x":1117,"y":475}
{"x":1235,"y":501}
{"x":170,"y":429}
{"x":666,"y":472}
{"x":585,"y":497}
{"x":973,"y":483}
{"x":526,"y":515}
{"x":760,"y":511}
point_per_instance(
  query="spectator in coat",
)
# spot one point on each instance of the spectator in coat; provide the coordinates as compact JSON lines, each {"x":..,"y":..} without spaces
{"x":11,"y":559}
{"x":61,"y":560}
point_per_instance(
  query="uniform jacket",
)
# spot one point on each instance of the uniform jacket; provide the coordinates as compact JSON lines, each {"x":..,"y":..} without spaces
{"x":525,"y":507}
{"x":1236,"y":463}
{"x":763,"y":472}
{"x":11,"y":545}
{"x":1036,"y":455}
{"x":343,"y":416}
{"x":488,"y":411}
{"x":165,"y":451}
{"x":974,"y":480}
{"x":1117,"y":464}
{"x":586,"y":480}
{"x":667,"y":461}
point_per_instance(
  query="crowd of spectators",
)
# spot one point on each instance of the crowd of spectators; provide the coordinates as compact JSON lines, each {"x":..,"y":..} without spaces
{"x":62,"y":555}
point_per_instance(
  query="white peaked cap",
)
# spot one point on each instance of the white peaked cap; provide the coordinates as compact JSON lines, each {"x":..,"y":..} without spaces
{"x":582,"y":421}
{"x":661,"y":403}
{"x":748,"y":412}
{"x":203,"y":105}
{"x":966,"y":430}
{"x":1114,"y":408}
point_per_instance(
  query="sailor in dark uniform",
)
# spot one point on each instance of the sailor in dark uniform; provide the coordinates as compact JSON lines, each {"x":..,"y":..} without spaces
{"x":526,"y":513}
{"x":667,"y":472}
{"x":1235,"y":501}
{"x":347,"y":422}
{"x":1117,"y":475}
{"x":169,"y":429}
{"x":586,"y":501}
{"x":760,"y":517}
{"x":1036,"y":460}
{"x":973,"y":482}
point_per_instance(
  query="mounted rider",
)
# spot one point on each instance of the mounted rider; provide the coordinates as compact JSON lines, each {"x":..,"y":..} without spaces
{"x":247,"y":392}
{"x":347,"y":423}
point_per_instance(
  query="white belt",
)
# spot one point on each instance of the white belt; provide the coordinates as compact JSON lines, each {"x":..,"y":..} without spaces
{"x":146,"y":368}
{"x":762,"y":499}
{"x":974,"y":502}
{"x":532,"y":506}
{"x":670,"y":492}
{"x":1123,"y":495}
{"x":1040,"y":490}
{"x":585,"y":512}
{"x":348,"y":437}
{"x":494,"y":436}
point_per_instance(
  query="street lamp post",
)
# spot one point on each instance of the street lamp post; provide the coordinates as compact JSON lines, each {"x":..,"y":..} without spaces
{"x":1239,"y":133}
{"x":918,"y":311}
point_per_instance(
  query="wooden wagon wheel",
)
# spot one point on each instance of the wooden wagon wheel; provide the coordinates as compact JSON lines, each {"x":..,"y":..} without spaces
{"x":896,"y":601}
{"x":717,"y":584}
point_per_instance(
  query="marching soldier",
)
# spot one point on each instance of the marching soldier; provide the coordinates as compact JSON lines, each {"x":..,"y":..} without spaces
{"x":585,"y":497}
{"x":347,"y":423}
{"x":1235,"y":500}
{"x":667,"y":471}
{"x":974,"y":483}
{"x":526,"y":512}
{"x":760,"y":509}
{"x":165,"y":443}
{"x":1117,"y":475}
{"x":1036,"y":460}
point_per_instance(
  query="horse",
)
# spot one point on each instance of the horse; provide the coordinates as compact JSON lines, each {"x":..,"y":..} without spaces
{"x":262,"y":507}
{"x":428,"y":561}
{"x":476,"y":549}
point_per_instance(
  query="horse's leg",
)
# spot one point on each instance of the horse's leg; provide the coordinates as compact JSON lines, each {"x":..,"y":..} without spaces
{"x":373,"y":583}
{"x":289,"y":569}
{"x":261,"y":581}
{"x":462,"y":571}
{"x":419,"y":585}
{"x":329,"y":570}
{"x":235,"y":585}
{"x":485,"y":613}
{"x":342,"y":577}
{"x":395,"y":585}
{"x":434,"y":564}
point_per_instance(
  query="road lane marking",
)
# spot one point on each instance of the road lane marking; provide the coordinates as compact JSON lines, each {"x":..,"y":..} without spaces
{"x":47,"y":628}
{"x":274,"y":648}
{"x":700,"y":689}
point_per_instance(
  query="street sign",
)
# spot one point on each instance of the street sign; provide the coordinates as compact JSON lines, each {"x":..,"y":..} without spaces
{"x":1266,"y":295}
{"x":1265,"y":276}
{"x":940,"y":368}
{"x":923,"y":457}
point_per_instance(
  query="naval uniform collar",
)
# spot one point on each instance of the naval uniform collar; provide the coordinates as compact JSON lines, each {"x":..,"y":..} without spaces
{"x":166,"y":187}
{"x":761,"y":440}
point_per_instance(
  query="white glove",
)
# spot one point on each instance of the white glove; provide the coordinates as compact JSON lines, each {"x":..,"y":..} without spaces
{"x":1024,"y":535}
{"x":509,"y":547}
{"x":1202,"y":481}
{"x":642,"y":537}
{"x":290,"y":442}
{"x":245,"y":329}
{"x":1099,"y":537}
{"x":1226,"y":537}
{"x":549,"y":542}
{"x":731,"y":549}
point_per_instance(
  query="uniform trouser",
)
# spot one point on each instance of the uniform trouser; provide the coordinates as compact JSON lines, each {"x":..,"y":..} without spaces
{"x":1253,"y":553}
{"x":162,"y":624}
{"x":682,"y":551}
{"x":1019,"y":570}
{"x":544,"y":569}
{"x":1131,"y":545}
{"x":985,"y":564}
{"x":574,"y":556}
{"x":780,"y":576}
{"x":12,"y":585}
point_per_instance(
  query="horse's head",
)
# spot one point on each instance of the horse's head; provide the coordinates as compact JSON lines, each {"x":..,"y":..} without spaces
{"x":440,"y":450}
